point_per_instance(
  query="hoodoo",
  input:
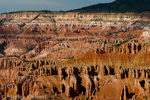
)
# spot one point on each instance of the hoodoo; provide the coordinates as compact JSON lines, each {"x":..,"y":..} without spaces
{"x":74,"y":56}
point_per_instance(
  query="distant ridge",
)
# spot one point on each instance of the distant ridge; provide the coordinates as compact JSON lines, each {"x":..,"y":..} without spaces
{"x":122,"y":6}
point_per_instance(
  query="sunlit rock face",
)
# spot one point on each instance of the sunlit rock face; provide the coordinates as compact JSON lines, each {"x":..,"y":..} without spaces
{"x":74,"y":56}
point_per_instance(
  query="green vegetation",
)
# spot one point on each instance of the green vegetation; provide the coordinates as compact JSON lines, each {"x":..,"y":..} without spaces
{"x":145,"y":97}
{"x":4,"y":37}
{"x":29,"y":49}
{"x":35,"y":17}
{"x":13,"y":56}
{"x":87,"y":98}
{"x":117,"y":6}
{"x":2,"y":21}
{"x":123,"y":42}
{"x":32,"y":11}
{"x":2,"y":48}
{"x":29,"y":61}
{"x":21,"y":25}
{"x":110,"y":34}
{"x":137,"y":6}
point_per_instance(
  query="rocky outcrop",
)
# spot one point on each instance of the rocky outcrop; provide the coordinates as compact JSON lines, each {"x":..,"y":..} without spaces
{"x":75,"y":55}
{"x":92,"y":79}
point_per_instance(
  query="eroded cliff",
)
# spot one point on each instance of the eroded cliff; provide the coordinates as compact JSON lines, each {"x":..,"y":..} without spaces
{"x":74,"y":56}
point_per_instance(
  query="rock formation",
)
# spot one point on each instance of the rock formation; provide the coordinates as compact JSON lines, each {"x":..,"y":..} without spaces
{"x":74,"y":56}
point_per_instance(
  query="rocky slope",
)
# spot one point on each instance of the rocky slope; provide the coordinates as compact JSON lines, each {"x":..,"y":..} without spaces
{"x":74,"y":56}
{"x":24,"y":30}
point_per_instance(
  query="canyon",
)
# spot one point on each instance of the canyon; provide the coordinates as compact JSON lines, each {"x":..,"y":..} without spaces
{"x":74,"y":56}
